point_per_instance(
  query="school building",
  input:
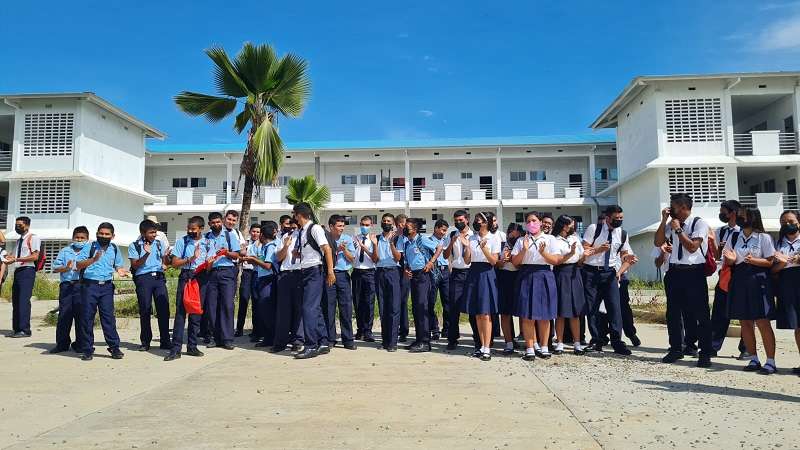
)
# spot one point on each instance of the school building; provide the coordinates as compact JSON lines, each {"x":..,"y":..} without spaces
{"x":75,"y":159}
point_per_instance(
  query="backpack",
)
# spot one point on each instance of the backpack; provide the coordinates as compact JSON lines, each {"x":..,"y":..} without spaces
{"x":313,"y":243}
{"x":39,"y":263}
{"x":138,"y":248}
{"x":726,"y":271}
{"x":436,"y":273}
{"x":710,"y":265}
{"x":92,"y":251}
{"x":599,"y":229}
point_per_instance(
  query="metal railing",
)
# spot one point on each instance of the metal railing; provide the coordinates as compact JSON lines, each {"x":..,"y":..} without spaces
{"x":789,"y":202}
{"x":743,"y":143}
{"x":205,"y":196}
{"x":5,"y":159}
{"x":544,"y":190}
{"x":367,"y":193}
{"x":453,"y":192}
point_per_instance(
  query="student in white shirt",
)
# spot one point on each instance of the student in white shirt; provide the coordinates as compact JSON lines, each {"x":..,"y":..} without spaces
{"x":480,"y":296}
{"x":750,"y":296}
{"x":25,"y":256}
{"x":507,"y":286}
{"x":787,"y":266}
{"x":459,"y":268}
{"x":569,"y":282}
{"x":289,"y":307}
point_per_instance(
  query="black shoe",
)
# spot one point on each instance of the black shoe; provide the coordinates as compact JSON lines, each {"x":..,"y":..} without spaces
{"x":20,"y":334}
{"x":277,"y":349}
{"x":529,"y":357}
{"x":752,"y":366}
{"x":263,"y":344}
{"x":194,"y":352}
{"x":704,"y":361}
{"x":307,"y":354}
{"x":211,"y":344}
{"x":228,"y":346}
{"x":238,"y":333}
{"x":557,"y":351}
{"x":543,"y":355}
{"x":358,"y":336}
{"x":690,"y":351}
{"x":635,"y":341}
{"x":255,"y":339}
{"x":86,"y":357}
{"x":143,"y":348}
{"x":323,"y":350}
{"x":508,"y":352}
{"x":435,"y":337}
{"x":206,"y":341}
{"x":297,"y":348}
{"x":671,"y":357}
{"x":588,"y":349}
{"x":411,"y":345}
{"x":477,"y":353}
{"x":349,"y":345}
{"x":579,"y":352}
{"x":622,"y":349}
{"x":74,"y":347}
{"x":452,"y":345}
{"x":369,"y":338}
{"x":55,"y":350}
{"x":596,"y":347}
{"x":402,"y":339}
{"x":420,"y":348}
{"x":391,"y":349}
{"x":172,"y":356}
{"x":486,"y":356}
{"x":116,"y":353}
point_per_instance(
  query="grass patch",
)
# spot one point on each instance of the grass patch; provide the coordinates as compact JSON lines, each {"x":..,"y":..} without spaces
{"x":646,"y":285}
{"x":44,"y":288}
{"x":650,"y":313}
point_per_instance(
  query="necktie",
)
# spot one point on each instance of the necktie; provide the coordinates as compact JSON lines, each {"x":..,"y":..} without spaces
{"x":791,"y":246}
{"x":296,"y":249}
{"x":463,"y":250}
{"x":361,"y":256}
{"x":607,"y":256}
{"x":19,"y":246}
{"x":680,"y":247}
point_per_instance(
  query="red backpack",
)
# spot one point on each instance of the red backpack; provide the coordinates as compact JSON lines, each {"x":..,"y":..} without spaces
{"x":39,"y":263}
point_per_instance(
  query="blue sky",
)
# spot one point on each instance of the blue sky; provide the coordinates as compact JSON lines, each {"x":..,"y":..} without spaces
{"x":393,"y":70}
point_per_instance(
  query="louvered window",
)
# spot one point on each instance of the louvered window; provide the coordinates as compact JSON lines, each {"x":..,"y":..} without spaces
{"x":703,"y":184}
{"x":693,"y":120}
{"x":51,"y":249}
{"x":44,"y":197}
{"x":48,"y":134}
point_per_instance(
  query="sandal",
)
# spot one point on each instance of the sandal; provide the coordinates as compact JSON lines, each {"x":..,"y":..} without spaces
{"x":768,"y":369}
{"x":753,"y":366}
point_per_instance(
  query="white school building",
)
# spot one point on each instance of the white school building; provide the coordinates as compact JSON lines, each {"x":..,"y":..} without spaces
{"x":74,"y":159}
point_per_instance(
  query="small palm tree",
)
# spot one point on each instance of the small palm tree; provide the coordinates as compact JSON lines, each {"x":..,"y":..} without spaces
{"x":267,"y":87}
{"x":306,"y":190}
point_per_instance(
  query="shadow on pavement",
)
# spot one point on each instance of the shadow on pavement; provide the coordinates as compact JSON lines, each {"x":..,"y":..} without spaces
{"x":676,"y":386}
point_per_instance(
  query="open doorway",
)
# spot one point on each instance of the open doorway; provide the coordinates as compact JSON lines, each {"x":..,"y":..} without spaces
{"x":485,"y":182}
{"x":418,"y":184}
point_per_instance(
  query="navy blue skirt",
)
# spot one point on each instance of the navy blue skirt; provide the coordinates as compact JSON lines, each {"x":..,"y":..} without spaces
{"x":788,"y":314}
{"x":507,"y":288}
{"x":750,"y":293}
{"x":480,"y":292}
{"x":537,"y":299}
{"x":569,"y":283}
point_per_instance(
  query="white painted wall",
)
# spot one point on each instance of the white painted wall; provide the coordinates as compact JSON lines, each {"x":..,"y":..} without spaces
{"x":33,"y":106}
{"x":637,"y":133}
{"x":122,"y":210}
{"x":642,"y":197}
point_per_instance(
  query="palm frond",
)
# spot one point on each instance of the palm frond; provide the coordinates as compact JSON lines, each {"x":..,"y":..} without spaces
{"x":242,"y":119}
{"x":211,"y":107}
{"x":267,"y":148}
{"x":226,"y":79}
{"x":254,"y":63}
{"x":293,"y":86}
{"x":307,"y":190}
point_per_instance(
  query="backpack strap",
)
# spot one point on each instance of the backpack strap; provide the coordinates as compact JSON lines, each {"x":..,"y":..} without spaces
{"x":622,"y":241}
{"x":228,"y":239}
{"x":691,"y":231}
{"x":597,"y":230}
{"x":185,"y":245}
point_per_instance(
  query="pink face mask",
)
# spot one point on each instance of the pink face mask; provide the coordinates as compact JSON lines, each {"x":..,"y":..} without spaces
{"x":533,"y":227}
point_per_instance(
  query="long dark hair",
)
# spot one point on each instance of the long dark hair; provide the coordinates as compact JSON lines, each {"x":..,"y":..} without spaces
{"x":753,"y":216}
{"x":487,"y":216}
{"x":562,"y":221}
{"x":781,"y":234}
{"x":512,"y":227}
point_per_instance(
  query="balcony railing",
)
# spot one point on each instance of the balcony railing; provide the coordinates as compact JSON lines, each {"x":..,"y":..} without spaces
{"x":764,"y":143}
{"x":769,"y":201}
{"x":545,"y":190}
{"x":367,"y":193}
{"x":204,"y":196}
{"x":3,"y":218}
{"x":453,"y":192}
{"x":5,"y":159}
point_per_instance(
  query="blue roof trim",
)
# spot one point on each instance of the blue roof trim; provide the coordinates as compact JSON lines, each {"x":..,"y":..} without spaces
{"x":594,"y":138}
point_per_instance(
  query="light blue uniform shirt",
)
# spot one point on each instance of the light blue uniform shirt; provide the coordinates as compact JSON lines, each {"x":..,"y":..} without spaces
{"x":268,"y":253}
{"x":66,"y":255}
{"x":184,"y":248}
{"x":225,"y":240}
{"x":153,"y":261}
{"x":415,"y":256}
{"x":385,"y":258}
{"x":444,"y":242}
{"x":103,"y":269}
{"x":341,"y":262}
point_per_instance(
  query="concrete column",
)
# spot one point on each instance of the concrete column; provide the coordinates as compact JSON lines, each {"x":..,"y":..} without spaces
{"x":407,"y":183}
{"x":727,"y":122}
{"x":499,"y":184}
{"x":317,"y":169}
{"x":592,"y":187}
{"x":229,"y":178}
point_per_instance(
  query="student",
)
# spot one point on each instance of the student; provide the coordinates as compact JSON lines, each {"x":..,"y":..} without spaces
{"x":98,"y":262}
{"x":506,"y":286}
{"x":405,"y":283}
{"x":787,"y":266}
{"x":265,"y":260}
{"x":440,"y":284}
{"x":289,"y":307}
{"x":221,"y":286}
{"x":547,"y":223}
{"x":341,"y":292}
{"x":315,"y":255}
{"x":387,"y":288}
{"x":569,"y":282}
{"x":420,"y":254}
{"x":537,"y":301}
{"x":25,"y":256}
{"x":188,"y":254}
{"x":600,"y":276}
{"x":459,"y":268}
{"x":750,"y":295}
{"x":628,"y":325}
{"x":685,"y":283}
{"x":500,"y":235}
{"x":147,"y":257}
{"x":480,"y":296}
{"x":248,"y":280}
{"x":69,"y":292}
{"x":363,"y":286}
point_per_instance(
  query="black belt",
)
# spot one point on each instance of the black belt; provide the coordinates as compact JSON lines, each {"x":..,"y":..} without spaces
{"x":150,"y":274}
{"x":536,"y":266}
{"x":387,"y":268}
{"x":592,"y":268}
{"x":364,"y":270}
{"x":98,"y":282}
{"x":340,"y":271}
{"x":73,"y":282}
{"x":23,"y":268}
{"x":309,"y":269}
{"x":686,"y":266}
{"x":247,"y":270}
{"x":454,"y":269}
{"x":222,"y":268}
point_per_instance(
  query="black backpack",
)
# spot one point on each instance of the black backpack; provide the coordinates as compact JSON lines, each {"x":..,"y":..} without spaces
{"x":138,"y":248}
{"x":310,"y":241}
{"x":93,"y":249}
{"x":599,"y":229}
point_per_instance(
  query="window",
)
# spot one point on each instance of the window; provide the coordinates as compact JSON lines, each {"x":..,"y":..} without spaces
{"x":44,"y":197}
{"x":372,"y":217}
{"x":519,"y":217}
{"x":704,"y":184}
{"x":349,"y":220}
{"x":198,"y":182}
{"x":466,"y":175}
{"x":349,"y":179}
{"x":368,"y":179}
{"x":538,"y":175}
{"x":48,"y":134}
{"x":601,"y":174}
{"x":788,"y":124}
{"x":437,"y":176}
{"x":225,"y":185}
{"x":180,"y":182}
{"x":283,"y":180}
{"x":693,"y":120}
{"x":769,"y":186}
{"x":436,"y":216}
{"x":612,"y":174}
{"x":51,"y":249}
{"x":575,"y":179}
{"x":518,"y":176}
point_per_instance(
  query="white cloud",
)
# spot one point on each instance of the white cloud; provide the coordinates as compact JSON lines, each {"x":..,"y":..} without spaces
{"x":401,"y":35}
{"x":774,"y":6}
{"x":426,"y":112}
{"x":781,"y":35}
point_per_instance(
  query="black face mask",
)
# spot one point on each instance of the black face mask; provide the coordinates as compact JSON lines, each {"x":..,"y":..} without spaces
{"x":19,"y":230}
{"x":723,"y":218}
{"x":789,"y":228}
{"x":386,"y":227}
{"x":493,"y":228}
{"x":460,"y":226}
{"x":742,"y":222}
{"x":476,"y":226}
{"x":405,"y":232}
{"x":286,"y":230}
{"x":216,"y":229}
{"x":193,"y":234}
{"x":103,"y":241}
{"x":512,"y":241}
{"x":616,"y":223}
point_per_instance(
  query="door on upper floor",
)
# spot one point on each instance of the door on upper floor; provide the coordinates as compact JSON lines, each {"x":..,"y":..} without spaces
{"x":417,"y":184}
{"x":485,"y":182}
{"x":791,"y":201}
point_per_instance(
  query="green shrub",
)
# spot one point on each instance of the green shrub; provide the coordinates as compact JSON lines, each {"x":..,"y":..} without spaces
{"x":44,"y":288}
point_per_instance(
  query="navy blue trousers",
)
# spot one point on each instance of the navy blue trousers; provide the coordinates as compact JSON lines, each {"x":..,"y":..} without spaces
{"x":421,"y":289}
{"x":601,"y":286}
{"x":289,"y":309}
{"x":218,"y":311}
{"x":405,"y":290}
{"x":246,"y":287}
{"x":364,"y":300}
{"x":150,"y":289}
{"x":458,"y":281}
{"x":21,"y":291}
{"x":69,"y":311}
{"x":98,"y":297}
{"x":314,"y":330}
{"x":180,"y":314}
{"x":687,"y":304}
{"x":339,"y":294}
{"x":442,"y":287}
{"x":264,"y":308}
{"x":387,"y":286}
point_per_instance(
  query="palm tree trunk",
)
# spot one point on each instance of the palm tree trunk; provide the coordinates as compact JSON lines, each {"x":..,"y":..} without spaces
{"x":247,"y":200}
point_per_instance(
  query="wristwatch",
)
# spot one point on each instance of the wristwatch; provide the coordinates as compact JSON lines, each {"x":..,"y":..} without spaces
{"x":679,"y":231}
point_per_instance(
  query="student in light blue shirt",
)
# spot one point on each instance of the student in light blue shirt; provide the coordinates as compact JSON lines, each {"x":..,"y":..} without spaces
{"x":265,"y":261}
{"x":440,"y":282}
{"x":147,"y":258}
{"x":98,"y":262}
{"x":387,"y":285}
{"x":69,"y":292}
{"x":340,"y":292}
{"x":420,"y":258}
{"x":217,"y":325}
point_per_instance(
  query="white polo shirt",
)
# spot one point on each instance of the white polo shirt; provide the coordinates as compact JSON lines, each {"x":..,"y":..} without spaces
{"x":308,"y":256}
{"x":287,"y":265}
{"x":562,"y":246}
{"x":492,"y":241}
{"x":759,"y":245}
{"x":24,"y":246}
{"x":683,"y":256}
{"x":457,"y":253}
{"x":532,"y":255}
{"x":367,"y":263}
{"x":598,"y":259}
{"x":789,"y":248}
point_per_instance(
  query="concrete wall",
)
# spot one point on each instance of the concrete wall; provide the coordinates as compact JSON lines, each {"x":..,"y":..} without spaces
{"x":642,"y":199}
{"x":21,"y":163}
{"x":679,"y":90}
{"x":637,"y":137}
{"x":98,"y":205}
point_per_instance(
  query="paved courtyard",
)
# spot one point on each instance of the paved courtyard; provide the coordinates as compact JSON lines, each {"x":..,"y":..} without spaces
{"x":247,"y":398}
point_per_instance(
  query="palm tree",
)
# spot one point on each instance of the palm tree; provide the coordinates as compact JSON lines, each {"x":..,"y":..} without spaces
{"x":306,"y":190}
{"x":267,"y":86}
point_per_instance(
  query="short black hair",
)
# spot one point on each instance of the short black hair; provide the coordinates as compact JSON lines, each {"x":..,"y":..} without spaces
{"x":106,"y":226}
{"x":612,"y":209}
{"x":441,"y":223}
{"x":147,"y":225}
{"x":284,"y":218}
{"x":400,"y":217}
{"x":334,"y":219}
{"x":303,"y":209}
{"x":196,"y":220}
{"x":533,"y":213}
{"x":24,"y":219}
{"x":460,"y":213}
{"x":389,"y":215}
{"x":681,"y":199}
{"x":214,"y":215}
{"x":80,"y":230}
{"x":731,"y":205}
{"x":232,"y":212}
{"x":254,"y":226}
{"x":363,"y":218}
{"x":415,"y":222}
{"x":269,"y":228}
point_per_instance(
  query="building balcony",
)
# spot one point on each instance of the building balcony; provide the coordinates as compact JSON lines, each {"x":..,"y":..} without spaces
{"x":771,"y":204}
{"x":765,"y":143}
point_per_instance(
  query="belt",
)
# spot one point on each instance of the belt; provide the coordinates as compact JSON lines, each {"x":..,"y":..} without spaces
{"x":309,"y":269}
{"x":536,"y":266}
{"x":364,"y":270}
{"x":150,"y":274}
{"x":72,"y":282}
{"x":98,"y":282}
{"x":247,"y":270}
{"x":592,"y":268}
{"x":23,"y":268}
{"x":686,"y":266}
{"x":387,"y":268}
{"x":214,"y":269}
{"x":459,"y":270}
{"x":341,"y":271}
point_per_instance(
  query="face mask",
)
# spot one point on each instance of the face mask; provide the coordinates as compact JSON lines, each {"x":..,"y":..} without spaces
{"x":193,"y":235}
{"x":460,"y":226}
{"x":77,"y":245}
{"x":386,"y":227}
{"x":493,"y":228}
{"x":364,"y":230}
{"x":216,"y":229}
{"x":405,"y":232}
{"x":103,"y":241}
{"x":19,"y":230}
{"x":476,"y":226}
{"x":723,"y":218}
{"x":616,"y":223}
{"x":286,"y":230}
{"x":789,"y":228}
{"x":742,"y":222}
{"x":533,"y":227}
